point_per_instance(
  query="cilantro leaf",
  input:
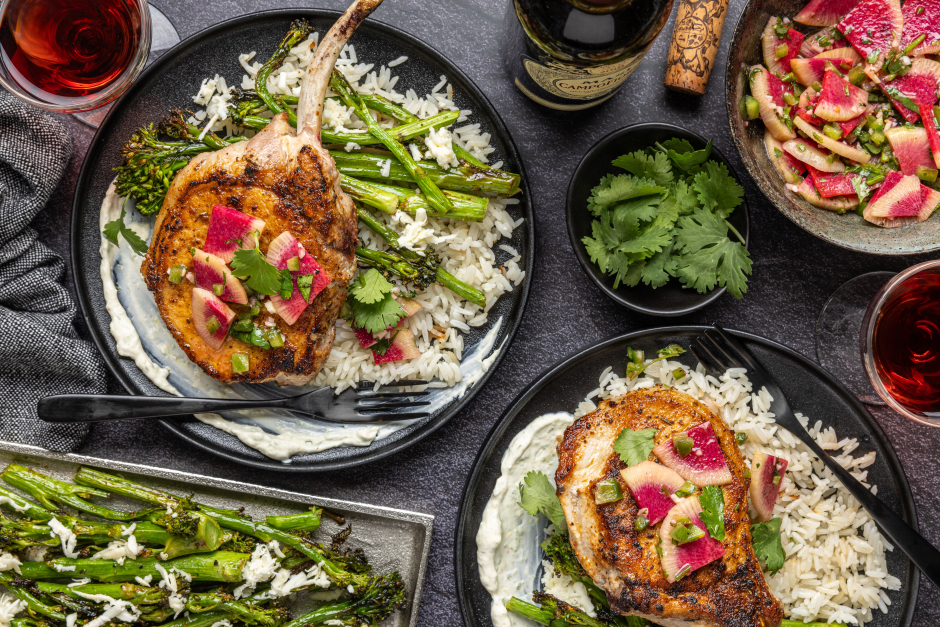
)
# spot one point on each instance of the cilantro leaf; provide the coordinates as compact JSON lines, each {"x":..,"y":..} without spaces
{"x":628,"y":215}
{"x":627,"y":268}
{"x":717,"y":190}
{"x":765,"y":538}
{"x":712,"y":500}
{"x":635,"y":446}
{"x":250,"y":265}
{"x":708,"y":257}
{"x":659,"y":268}
{"x":538,"y":496}
{"x":614,"y":189}
{"x":685,"y":197}
{"x":683,"y":154}
{"x":655,"y":167}
{"x":371,"y":287}
{"x":373,"y":306}
{"x":117,"y":227}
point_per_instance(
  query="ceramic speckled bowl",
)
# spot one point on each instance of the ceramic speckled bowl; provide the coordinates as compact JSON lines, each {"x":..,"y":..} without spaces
{"x":849,"y":230}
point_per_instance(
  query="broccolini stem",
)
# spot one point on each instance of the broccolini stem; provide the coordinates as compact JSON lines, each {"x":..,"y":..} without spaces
{"x":389,"y":198}
{"x":35,"y":606}
{"x":383,"y":596}
{"x":18,"y":504}
{"x":306,"y":521}
{"x":553,"y":612}
{"x":138,"y":595}
{"x":370,"y":194}
{"x":462,"y":153}
{"x":215,"y":566}
{"x":299,"y":29}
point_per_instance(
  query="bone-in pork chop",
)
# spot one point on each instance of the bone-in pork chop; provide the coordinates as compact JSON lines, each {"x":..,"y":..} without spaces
{"x":729,"y":592}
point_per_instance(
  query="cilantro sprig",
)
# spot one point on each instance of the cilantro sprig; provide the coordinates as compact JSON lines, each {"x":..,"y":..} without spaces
{"x":373,"y":306}
{"x":765,"y":538}
{"x":712,"y":500}
{"x":668,"y":218}
{"x":636,"y":360}
{"x":538,"y":496}
{"x":114,"y":228}
{"x":635,"y":446}
{"x":250,"y":265}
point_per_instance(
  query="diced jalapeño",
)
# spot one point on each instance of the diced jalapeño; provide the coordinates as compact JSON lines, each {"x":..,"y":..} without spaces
{"x":240,"y":363}
{"x":686,"y":489}
{"x":213,"y":324}
{"x":176,"y":274}
{"x":607,"y":491}
{"x":683,"y":444}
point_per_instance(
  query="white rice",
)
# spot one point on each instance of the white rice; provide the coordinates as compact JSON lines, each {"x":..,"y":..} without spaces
{"x":835,"y":569}
{"x":468,"y":250}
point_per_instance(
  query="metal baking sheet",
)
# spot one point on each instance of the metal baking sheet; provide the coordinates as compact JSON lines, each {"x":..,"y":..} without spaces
{"x":392,"y":539}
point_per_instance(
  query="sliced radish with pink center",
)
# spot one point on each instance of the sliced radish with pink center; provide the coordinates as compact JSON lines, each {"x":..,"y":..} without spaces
{"x":819,"y":41}
{"x":829,"y":184}
{"x":210,"y":271}
{"x":230,"y":230}
{"x":285,"y":251}
{"x":840,"y":148}
{"x":921,"y":17}
{"x":933,"y":133}
{"x":824,"y":12}
{"x":899,"y":202}
{"x":411,"y":307}
{"x":788,"y":167}
{"x":911,"y":147}
{"x":840,"y":53}
{"x":766,"y":480}
{"x":809,"y":71}
{"x":918,"y":85}
{"x":839,"y":204}
{"x":403,"y":347}
{"x":651,"y":485}
{"x":839,"y":99}
{"x":684,"y":559}
{"x":771,"y":42}
{"x":365,"y":338}
{"x":804,"y":150}
{"x":873,"y":28}
{"x":211,"y":317}
{"x":705,"y":465}
{"x":768,"y":90}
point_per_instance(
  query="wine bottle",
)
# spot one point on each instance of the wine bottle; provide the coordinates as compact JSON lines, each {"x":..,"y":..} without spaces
{"x":574,"y":54}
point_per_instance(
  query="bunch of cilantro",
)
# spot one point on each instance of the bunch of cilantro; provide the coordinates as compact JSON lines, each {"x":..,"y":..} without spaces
{"x":669,"y":218}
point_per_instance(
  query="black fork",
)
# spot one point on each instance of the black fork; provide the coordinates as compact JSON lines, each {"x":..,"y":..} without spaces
{"x":718,"y":351}
{"x":354,"y":405}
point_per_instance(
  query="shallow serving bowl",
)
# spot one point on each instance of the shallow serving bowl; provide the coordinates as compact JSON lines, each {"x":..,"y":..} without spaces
{"x":671,"y":299}
{"x":849,"y":230}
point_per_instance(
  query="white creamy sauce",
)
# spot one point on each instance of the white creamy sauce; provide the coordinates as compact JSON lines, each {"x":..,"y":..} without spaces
{"x":141,"y":335}
{"x":508,"y":551}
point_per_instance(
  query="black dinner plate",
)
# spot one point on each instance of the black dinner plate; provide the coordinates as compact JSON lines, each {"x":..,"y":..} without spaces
{"x":809,"y":389}
{"x":171,"y":81}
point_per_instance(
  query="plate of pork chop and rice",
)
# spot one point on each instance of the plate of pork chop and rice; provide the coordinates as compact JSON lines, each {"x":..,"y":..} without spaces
{"x":275,"y":207}
{"x":627,"y":487}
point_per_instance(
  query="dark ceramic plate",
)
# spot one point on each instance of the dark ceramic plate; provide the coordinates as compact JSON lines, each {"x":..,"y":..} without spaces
{"x":849,"y":230}
{"x":809,"y":388}
{"x":171,"y":81}
{"x":671,"y":299}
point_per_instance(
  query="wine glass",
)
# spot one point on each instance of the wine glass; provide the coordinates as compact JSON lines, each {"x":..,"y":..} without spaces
{"x":72,"y":55}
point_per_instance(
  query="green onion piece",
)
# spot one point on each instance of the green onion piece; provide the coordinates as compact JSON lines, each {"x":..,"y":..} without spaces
{"x":304,"y":284}
{"x":240,"y":363}
{"x":790,"y":98}
{"x":789,"y":77}
{"x":637,"y":357}
{"x":740,"y":438}
{"x":274,"y":337}
{"x":878,"y":137}
{"x":927,"y":175}
{"x":678,"y":373}
{"x":641,"y":522}
{"x":683,"y":534}
{"x":607,"y":491}
{"x":686,"y":489}
{"x":218,"y":289}
{"x":685,"y":571}
{"x":293,"y":264}
{"x":777,"y":480}
{"x":177,"y":273}
{"x":817,"y":86}
{"x":752,"y":107}
{"x":778,"y":153}
{"x":254,"y":310}
{"x":832,"y":131}
{"x":683,"y":444}
{"x":919,"y":11}
{"x":747,"y":473}
{"x":213,"y":324}
{"x":781,"y":51}
{"x":242,"y":325}
{"x":910,"y":47}
{"x":936,"y":112}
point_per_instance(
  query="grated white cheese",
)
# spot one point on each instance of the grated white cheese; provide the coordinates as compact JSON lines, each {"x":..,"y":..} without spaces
{"x":5,"y":500}
{"x":79,"y":582}
{"x":70,"y":620}
{"x":284,"y":583}
{"x":260,"y":568}
{"x":144,"y":581}
{"x":128,"y":531}
{"x":63,"y":569}
{"x":69,"y":540}
{"x":8,"y":561}
{"x":386,"y":168}
{"x":122,"y":610}
{"x":440,"y":146}
{"x":119,"y":550}
{"x":222,"y":623}
{"x":9,"y":608}
{"x":168,"y":582}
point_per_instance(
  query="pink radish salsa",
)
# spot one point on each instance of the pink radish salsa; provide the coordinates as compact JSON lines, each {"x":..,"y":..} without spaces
{"x":850,"y":110}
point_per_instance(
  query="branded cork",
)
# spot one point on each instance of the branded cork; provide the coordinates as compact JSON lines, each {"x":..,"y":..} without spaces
{"x":695,"y":40}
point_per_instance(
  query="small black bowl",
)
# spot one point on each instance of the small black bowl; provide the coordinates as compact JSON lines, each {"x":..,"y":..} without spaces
{"x":671,"y":299}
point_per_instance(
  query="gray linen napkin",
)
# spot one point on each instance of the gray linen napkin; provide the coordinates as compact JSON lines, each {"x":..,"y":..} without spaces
{"x":40,"y":353}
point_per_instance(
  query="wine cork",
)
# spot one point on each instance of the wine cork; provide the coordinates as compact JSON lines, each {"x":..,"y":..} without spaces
{"x":695,"y":40}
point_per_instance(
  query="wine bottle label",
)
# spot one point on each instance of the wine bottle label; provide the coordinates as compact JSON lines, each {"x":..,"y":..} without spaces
{"x":574,"y":83}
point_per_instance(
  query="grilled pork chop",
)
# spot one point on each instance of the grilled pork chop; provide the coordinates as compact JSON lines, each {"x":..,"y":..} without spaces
{"x":730,"y":592}
{"x":287,"y":179}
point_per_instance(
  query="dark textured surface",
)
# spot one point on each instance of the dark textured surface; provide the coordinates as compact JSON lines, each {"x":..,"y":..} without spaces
{"x":794,"y":273}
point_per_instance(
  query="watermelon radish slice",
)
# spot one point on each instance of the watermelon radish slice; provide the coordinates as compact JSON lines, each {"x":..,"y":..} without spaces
{"x":873,"y":28}
{"x":809,"y":71}
{"x":840,"y":148}
{"x":809,"y":117}
{"x":849,"y":125}
{"x":824,"y":12}
{"x":766,"y":480}
{"x":808,"y":98}
{"x":916,"y":88}
{"x":933,"y":132}
{"x":679,"y":560}
{"x":839,"y":204}
{"x":705,"y":465}
{"x":230,"y":230}
{"x":211,"y":317}
{"x":900,"y":201}
{"x":840,"y":53}
{"x":807,"y":152}
{"x":281,"y":251}
{"x":210,"y":271}
{"x":829,"y":185}
{"x":921,"y":17}
{"x":367,"y":339}
{"x":819,"y":41}
{"x":911,"y":147}
{"x":771,"y":42}
{"x":651,"y":485}
{"x":839,"y":99}
{"x":769,"y":90}
{"x":403,"y":347}
{"x":789,"y":168}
